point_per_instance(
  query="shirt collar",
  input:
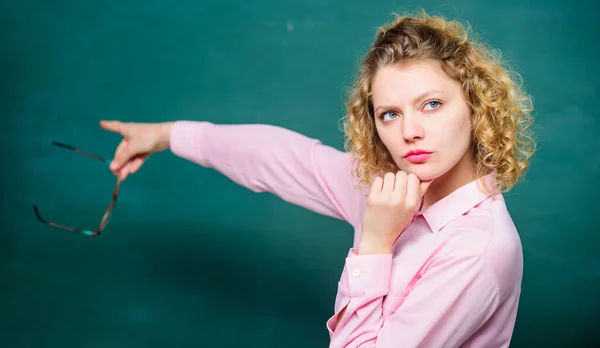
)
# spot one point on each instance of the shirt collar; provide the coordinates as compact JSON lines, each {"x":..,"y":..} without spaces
{"x":457,"y":203}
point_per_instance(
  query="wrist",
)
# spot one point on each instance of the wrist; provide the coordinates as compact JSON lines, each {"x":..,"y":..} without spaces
{"x":374,"y":246}
{"x":165,"y":135}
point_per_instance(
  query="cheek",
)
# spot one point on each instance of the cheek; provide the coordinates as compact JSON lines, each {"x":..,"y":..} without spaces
{"x":392,"y":142}
{"x":456,"y":131}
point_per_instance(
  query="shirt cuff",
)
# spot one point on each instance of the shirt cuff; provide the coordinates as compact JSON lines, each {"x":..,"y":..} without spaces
{"x":369,"y":273}
{"x":186,"y":140}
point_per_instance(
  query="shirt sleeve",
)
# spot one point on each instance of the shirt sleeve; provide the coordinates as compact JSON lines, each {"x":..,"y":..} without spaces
{"x":451,"y":300}
{"x":266,"y":158}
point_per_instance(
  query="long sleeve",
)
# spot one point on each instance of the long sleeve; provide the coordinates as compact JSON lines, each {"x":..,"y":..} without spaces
{"x":444,"y":307}
{"x":266,"y":158}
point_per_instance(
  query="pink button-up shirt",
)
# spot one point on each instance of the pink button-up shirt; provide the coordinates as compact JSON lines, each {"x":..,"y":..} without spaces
{"x":453,"y":278}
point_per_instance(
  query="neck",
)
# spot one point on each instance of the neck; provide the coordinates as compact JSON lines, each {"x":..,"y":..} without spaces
{"x":461,"y":174}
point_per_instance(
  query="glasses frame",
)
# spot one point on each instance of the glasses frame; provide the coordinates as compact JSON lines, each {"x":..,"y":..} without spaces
{"x":107,"y":214}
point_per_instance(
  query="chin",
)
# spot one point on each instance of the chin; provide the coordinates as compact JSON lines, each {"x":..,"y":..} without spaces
{"x":424,"y":171}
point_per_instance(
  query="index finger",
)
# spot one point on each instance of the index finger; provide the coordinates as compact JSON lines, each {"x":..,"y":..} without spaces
{"x":412,"y":191}
{"x":114,"y":126}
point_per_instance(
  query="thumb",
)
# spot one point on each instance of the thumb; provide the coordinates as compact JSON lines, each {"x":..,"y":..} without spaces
{"x":122,"y":156}
{"x":423,"y":186}
{"x":114,"y":126}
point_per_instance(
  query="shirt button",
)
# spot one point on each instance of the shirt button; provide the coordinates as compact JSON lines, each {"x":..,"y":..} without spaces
{"x":356,"y":272}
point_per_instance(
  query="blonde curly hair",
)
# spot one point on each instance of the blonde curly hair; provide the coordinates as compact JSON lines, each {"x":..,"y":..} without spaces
{"x":501,"y":109}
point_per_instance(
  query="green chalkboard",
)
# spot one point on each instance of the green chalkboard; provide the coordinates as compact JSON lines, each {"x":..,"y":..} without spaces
{"x":192,"y":259}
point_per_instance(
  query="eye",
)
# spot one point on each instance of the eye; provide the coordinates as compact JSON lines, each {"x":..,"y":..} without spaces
{"x":433,"y":104}
{"x":388,"y":115}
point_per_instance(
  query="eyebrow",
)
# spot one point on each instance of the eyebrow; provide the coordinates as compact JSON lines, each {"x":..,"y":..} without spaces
{"x":419,"y":97}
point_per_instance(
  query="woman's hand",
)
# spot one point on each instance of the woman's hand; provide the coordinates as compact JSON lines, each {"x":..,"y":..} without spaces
{"x":391,"y":205}
{"x":140,"y":140}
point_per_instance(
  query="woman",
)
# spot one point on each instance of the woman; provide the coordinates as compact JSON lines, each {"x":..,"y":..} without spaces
{"x":436,"y":131}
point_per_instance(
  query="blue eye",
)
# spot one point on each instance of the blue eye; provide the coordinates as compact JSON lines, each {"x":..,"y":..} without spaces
{"x":435,"y":104}
{"x":391,"y":116}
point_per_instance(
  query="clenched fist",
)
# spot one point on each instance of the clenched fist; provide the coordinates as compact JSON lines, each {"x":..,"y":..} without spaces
{"x":391,"y":205}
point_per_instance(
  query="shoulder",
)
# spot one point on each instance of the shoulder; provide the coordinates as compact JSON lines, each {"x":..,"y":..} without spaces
{"x":487,"y":233}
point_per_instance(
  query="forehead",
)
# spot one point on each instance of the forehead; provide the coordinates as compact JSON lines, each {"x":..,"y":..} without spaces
{"x":402,"y":82}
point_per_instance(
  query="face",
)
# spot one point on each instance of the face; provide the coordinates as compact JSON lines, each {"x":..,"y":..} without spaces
{"x":422,"y":119}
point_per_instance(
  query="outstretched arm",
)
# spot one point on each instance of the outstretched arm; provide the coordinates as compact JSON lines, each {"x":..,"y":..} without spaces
{"x":266,"y":158}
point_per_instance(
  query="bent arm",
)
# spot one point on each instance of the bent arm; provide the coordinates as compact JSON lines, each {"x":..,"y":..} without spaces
{"x":260,"y":157}
{"x":445,"y":307}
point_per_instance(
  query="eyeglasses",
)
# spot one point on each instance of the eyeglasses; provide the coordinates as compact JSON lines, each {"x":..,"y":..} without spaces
{"x":107,"y":214}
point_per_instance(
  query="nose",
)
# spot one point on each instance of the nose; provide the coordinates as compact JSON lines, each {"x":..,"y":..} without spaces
{"x":411,"y":128}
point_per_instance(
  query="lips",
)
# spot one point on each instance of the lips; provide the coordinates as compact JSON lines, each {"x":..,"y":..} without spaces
{"x":417,"y":156}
